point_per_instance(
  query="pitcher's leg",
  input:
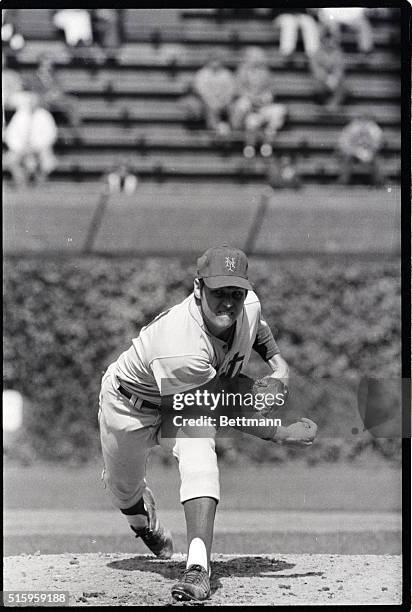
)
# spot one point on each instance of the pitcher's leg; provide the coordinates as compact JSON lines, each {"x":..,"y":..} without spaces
{"x":199,"y":494}
{"x":124,"y":455}
{"x":200,"y":517}
{"x":126,"y":442}
{"x":199,"y":472}
{"x":125,"y":451}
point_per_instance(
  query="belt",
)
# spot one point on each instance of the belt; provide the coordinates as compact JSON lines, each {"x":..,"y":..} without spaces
{"x":144,"y":404}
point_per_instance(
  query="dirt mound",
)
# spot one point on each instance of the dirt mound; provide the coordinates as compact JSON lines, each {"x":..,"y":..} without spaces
{"x":123,"y":579}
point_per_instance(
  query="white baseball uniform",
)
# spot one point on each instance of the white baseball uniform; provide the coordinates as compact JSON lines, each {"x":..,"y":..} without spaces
{"x":172,"y":354}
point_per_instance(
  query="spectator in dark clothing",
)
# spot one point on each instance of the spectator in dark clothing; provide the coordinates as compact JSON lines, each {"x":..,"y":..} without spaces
{"x":46,"y":83}
{"x":192,"y":107}
{"x":358,"y":147}
{"x":353,"y":17}
{"x":106,"y":28}
{"x":283,"y":173}
{"x":327,"y":66}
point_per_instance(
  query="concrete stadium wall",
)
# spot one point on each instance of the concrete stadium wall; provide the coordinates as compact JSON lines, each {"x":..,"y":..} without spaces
{"x":186,"y":219}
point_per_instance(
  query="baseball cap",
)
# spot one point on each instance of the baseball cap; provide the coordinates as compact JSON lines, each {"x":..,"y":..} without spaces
{"x":223,"y":266}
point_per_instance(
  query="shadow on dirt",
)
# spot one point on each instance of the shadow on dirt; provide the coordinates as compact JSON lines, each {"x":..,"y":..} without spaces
{"x":239,"y":567}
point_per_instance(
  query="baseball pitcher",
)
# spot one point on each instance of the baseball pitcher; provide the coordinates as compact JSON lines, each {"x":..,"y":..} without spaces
{"x":201,"y":343}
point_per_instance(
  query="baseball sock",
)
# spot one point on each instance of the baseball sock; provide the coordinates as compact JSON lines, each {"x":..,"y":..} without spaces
{"x":136,"y":515}
{"x":197,"y":554}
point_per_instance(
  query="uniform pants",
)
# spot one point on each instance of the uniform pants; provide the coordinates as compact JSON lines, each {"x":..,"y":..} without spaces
{"x":128,"y":432}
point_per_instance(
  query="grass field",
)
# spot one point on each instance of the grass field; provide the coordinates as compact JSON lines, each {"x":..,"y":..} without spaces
{"x":293,"y":486}
{"x":290,"y":508}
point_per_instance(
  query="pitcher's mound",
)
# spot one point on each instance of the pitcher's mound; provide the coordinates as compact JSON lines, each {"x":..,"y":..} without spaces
{"x":141,"y":580}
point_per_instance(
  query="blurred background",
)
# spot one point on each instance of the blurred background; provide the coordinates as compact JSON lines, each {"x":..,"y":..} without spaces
{"x":134,"y":139}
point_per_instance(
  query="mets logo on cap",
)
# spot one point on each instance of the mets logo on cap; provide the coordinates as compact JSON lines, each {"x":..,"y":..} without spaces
{"x":230,"y":263}
{"x":224,"y":266}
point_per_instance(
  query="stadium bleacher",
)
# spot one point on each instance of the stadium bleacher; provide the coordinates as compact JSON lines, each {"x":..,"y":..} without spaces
{"x":130,"y":105}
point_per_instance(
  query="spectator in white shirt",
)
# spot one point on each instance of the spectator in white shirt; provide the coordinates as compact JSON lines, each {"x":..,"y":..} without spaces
{"x":215,"y":85}
{"x":76,"y":25}
{"x":358,"y":147}
{"x":30,"y":136}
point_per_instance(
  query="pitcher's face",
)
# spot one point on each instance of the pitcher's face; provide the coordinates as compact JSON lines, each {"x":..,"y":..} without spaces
{"x":221,"y":307}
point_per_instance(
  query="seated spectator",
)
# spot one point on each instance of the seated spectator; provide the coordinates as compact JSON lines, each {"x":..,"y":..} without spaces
{"x":12,"y":40}
{"x":282,"y":173}
{"x":327,"y":66}
{"x":254,"y":110}
{"x":30,"y":137}
{"x":192,"y":107}
{"x":289,"y":24}
{"x":106,"y":28}
{"x":46,"y":83}
{"x":76,"y":25}
{"x":354,"y":17}
{"x":215,"y":86}
{"x":122,"y":179}
{"x":358,"y":147}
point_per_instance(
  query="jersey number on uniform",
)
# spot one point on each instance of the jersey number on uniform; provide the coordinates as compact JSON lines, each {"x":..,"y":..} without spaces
{"x":234,"y":366}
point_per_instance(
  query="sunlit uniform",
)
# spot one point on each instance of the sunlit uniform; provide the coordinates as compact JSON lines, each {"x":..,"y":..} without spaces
{"x":176,"y":352}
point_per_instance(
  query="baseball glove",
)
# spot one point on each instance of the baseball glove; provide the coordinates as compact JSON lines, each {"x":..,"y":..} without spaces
{"x":269,"y":394}
{"x":301,"y":433}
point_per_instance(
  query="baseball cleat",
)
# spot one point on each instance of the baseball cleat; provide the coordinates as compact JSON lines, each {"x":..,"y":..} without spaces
{"x":154,"y":535}
{"x":194,"y":584}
